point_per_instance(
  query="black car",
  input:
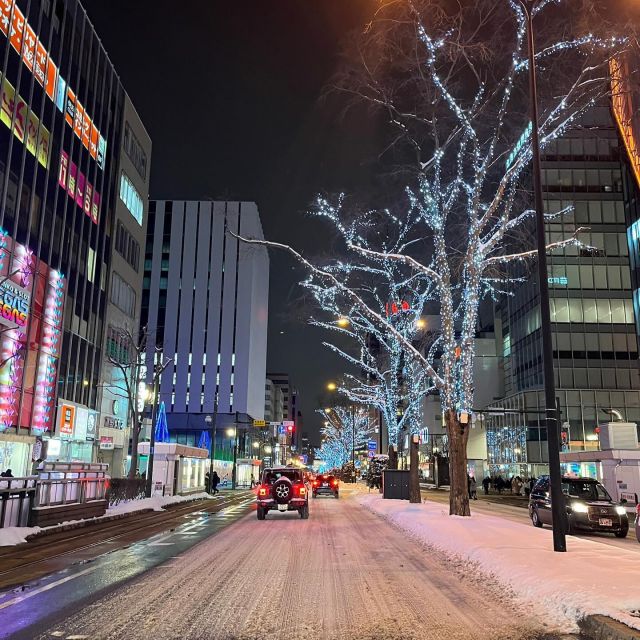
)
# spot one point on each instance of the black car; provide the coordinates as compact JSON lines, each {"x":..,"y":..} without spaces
{"x":325,"y":485}
{"x":588,"y":507}
{"x":282,"y":489}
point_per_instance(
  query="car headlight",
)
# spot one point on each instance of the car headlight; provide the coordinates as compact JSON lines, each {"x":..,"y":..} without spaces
{"x":621,"y":511}
{"x":579,"y":507}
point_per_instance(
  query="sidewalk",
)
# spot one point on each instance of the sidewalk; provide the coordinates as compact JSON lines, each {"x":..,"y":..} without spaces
{"x":591,"y":579}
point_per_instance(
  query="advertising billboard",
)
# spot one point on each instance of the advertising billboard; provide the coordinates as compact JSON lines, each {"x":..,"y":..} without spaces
{"x":31,"y":305}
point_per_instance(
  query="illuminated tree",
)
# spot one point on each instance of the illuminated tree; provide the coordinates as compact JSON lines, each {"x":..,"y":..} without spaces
{"x":451,"y":87}
{"x":345,"y":429}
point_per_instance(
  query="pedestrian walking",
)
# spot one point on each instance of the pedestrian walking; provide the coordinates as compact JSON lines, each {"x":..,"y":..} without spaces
{"x":215,"y":481}
{"x":486,"y":481}
{"x":473,"y":488}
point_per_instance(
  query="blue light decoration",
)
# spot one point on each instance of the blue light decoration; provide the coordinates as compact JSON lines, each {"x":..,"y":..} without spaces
{"x":162,"y":430}
{"x":205,"y":440}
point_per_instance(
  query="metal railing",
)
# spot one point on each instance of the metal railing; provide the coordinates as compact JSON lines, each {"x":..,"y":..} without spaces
{"x":75,"y":484}
{"x":17,"y":497}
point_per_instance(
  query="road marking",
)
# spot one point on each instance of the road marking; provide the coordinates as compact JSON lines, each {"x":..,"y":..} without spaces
{"x":160,"y":544}
{"x":51,"y":585}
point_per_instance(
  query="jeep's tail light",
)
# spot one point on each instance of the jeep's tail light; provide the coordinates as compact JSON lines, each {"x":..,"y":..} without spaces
{"x":303,"y":491}
{"x":262,"y":491}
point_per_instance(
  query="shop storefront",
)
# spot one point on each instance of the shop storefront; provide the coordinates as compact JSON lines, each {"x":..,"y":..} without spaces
{"x":74,"y":436}
{"x":15,"y":454}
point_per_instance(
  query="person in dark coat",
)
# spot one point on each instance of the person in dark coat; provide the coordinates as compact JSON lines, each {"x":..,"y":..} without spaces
{"x":486,"y":481}
{"x":215,"y":481}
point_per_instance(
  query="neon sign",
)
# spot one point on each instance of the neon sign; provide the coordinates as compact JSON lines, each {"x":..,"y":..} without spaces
{"x":37,"y":60}
{"x":78,"y":187}
{"x":562,"y":281}
{"x":622,"y":106}
{"x":14,"y":305}
{"x":24,"y":128}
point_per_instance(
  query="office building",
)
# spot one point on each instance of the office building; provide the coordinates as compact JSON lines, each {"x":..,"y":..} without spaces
{"x":205,"y":303}
{"x":595,"y":345}
{"x":273,"y":402}
{"x":61,"y":133}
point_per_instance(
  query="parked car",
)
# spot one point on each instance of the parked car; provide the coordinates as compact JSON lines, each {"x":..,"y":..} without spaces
{"x":282,"y":489}
{"x":325,"y":485}
{"x":588,"y":507}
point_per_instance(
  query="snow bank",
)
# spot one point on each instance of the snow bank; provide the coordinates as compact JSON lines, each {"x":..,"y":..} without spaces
{"x":591,"y":578}
{"x":10,"y":536}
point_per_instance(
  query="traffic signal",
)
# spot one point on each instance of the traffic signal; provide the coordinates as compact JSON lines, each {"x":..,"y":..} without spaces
{"x":290,"y":428}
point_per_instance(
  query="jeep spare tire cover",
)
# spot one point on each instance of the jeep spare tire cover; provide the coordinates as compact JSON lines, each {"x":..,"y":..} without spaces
{"x":282,"y":490}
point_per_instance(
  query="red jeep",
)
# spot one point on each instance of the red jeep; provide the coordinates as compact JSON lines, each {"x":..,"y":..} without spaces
{"x":282,"y":489}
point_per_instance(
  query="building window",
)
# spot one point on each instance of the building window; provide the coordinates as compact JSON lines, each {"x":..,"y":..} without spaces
{"x":135,"y":151}
{"x":118,"y":346}
{"x":127,"y":246}
{"x":131,"y":198}
{"x":122,"y":295}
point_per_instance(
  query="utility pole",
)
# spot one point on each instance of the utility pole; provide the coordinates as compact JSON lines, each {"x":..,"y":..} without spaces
{"x":235,"y":454}
{"x":558,"y":512}
{"x":152,"y":440}
{"x":414,"y":480}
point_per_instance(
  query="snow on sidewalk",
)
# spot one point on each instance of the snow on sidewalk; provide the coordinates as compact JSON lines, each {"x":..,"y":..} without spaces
{"x":590,"y":578}
{"x":10,"y":536}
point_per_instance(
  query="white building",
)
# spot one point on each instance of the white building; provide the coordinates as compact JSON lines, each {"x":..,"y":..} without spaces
{"x":206,"y":303}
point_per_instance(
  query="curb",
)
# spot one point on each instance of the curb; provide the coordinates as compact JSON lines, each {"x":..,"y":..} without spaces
{"x":600,"y":627}
{"x":81,"y":524}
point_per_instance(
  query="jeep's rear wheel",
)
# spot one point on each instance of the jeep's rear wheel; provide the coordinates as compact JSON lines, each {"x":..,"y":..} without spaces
{"x":304,"y":512}
{"x":261,"y":513}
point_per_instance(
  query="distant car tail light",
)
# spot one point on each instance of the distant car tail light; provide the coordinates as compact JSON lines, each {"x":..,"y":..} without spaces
{"x":262,"y":491}
{"x":335,"y":483}
{"x":315,"y":483}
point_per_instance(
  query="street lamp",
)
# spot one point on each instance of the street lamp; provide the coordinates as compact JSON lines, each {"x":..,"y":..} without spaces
{"x":233,"y":433}
{"x":331,"y":386}
{"x":552,"y":417}
{"x":343,"y":322}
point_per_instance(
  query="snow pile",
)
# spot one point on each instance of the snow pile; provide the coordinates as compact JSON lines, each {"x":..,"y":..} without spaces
{"x":157,"y":503}
{"x":591,"y":578}
{"x":10,"y":536}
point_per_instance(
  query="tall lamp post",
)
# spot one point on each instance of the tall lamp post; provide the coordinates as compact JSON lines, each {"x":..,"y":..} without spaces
{"x":152,"y":439}
{"x":551,"y":415}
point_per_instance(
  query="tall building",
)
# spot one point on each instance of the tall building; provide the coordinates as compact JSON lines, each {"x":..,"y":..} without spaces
{"x":205,"y":304}
{"x":273,"y":402}
{"x":595,"y":347}
{"x":62,"y":128}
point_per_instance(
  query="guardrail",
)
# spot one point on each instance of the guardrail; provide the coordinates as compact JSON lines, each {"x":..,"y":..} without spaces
{"x":17,"y":496}
{"x":70,"y":487}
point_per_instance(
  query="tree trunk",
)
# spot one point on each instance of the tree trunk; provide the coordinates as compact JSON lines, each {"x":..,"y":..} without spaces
{"x":458,"y":435}
{"x":135,"y":438}
{"x":414,"y":479}
{"x":393,"y":458}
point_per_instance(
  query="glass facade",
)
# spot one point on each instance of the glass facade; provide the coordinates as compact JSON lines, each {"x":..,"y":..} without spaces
{"x":592,"y":306}
{"x":61,"y":112}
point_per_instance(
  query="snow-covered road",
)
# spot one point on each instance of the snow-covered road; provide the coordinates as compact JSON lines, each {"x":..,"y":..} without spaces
{"x":344,"y":573}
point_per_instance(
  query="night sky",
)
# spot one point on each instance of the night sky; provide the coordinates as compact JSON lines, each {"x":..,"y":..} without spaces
{"x":231,"y":93}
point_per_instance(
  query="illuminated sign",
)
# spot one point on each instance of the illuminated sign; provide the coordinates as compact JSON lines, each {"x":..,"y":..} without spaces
{"x":14,"y":305}
{"x":78,"y":187}
{"x":562,"y":281}
{"x":26,"y":128}
{"x":36,"y":59}
{"x":67,"y":418}
{"x":622,"y":105}
{"x":518,"y":148}
{"x":31,"y":305}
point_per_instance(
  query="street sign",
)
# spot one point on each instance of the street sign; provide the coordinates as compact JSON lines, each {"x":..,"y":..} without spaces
{"x":372,"y":453}
{"x":372,"y":445}
{"x":259,"y":423}
{"x":288,"y":423}
{"x":274,"y":424}
{"x":282,"y":429}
